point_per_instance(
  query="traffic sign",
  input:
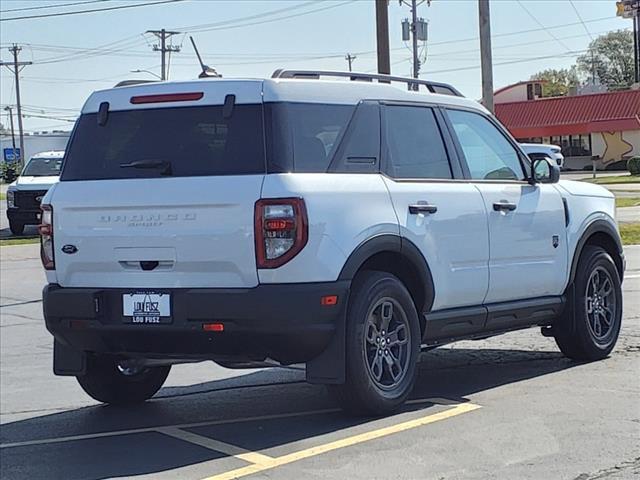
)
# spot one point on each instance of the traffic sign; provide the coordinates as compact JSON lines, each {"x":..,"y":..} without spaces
{"x":10,"y":155}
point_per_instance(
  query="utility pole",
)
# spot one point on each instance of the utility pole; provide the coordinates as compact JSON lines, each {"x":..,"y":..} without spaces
{"x":636,"y":45}
{"x":486,"y":62}
{"x":13,"y":133}
{"x":382,"y":36}
{"x":350,"y":58}
{"x":416,"y":30}
{"x":163,"y":35}
{"x":17,"y":67}
{"x":414,"y":39}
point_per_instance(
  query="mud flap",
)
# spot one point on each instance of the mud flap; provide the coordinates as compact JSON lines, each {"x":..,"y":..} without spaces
{"x":68,"y":361}
{"x":330,"y":366}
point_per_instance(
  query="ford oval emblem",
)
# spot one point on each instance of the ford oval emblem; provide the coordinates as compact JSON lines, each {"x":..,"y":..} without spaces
{"x":70,"y":249}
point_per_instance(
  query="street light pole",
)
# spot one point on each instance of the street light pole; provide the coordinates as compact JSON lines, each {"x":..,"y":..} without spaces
{"x":13,"y":133}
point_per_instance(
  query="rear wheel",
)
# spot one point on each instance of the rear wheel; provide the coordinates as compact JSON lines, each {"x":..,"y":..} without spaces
{"x":382,"y":346}
{"x":597,"y":309}
{"x":119,"y":383}
{"x":16,"y":228}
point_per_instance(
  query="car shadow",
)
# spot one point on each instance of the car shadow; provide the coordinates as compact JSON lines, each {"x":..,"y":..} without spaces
{"x":262,"y":411}
{"x":29,"y":231}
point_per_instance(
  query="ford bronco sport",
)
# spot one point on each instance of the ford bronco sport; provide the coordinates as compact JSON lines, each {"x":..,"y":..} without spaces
{"x":343,"y":223}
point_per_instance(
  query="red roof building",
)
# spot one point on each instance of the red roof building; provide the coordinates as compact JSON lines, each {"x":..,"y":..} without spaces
{"x":603,"y":125}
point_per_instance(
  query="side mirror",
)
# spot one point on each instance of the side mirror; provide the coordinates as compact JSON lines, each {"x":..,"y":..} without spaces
{"x":545,"y":171}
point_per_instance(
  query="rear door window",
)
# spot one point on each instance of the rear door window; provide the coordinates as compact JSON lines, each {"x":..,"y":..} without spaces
{"x":414,"y":144}
{"x":194,"y":141}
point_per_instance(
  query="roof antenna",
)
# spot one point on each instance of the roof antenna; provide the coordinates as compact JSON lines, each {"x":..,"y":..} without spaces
{"x":207,"y":71}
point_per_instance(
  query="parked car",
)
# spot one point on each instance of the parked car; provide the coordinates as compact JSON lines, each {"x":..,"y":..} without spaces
{"x":539,"y":150}
{"x":26,"y":192}
{"x":342,"y":224}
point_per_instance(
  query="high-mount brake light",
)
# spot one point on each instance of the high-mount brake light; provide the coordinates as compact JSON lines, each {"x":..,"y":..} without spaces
{"x":46,"y":237}
{"x":281,"y":230}
{"x":167,"y":97}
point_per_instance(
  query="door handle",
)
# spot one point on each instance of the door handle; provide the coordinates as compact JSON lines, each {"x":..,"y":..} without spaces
{"x":504,"y":206}
{"x":422,"y":208}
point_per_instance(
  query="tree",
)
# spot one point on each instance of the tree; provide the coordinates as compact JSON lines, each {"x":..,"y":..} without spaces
{"x":3,"y":130}
{"x":558,"y":81}
{"x":610,"y":58}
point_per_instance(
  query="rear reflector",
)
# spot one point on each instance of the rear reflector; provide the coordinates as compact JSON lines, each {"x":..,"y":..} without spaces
{"x":213,"y":327}
{"x":168,"y":97}
{"x":329,"y":300}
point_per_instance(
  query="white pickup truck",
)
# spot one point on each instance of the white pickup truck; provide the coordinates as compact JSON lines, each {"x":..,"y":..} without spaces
{"x":342,"y":224}
{"x":25,"y":194}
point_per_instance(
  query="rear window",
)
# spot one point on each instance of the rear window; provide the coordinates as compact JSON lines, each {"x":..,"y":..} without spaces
{"x":193,"y":141}
{"x":43,"y":167}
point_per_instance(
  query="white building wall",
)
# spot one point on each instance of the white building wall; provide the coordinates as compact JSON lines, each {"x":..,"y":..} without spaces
{"x":36,"y":143}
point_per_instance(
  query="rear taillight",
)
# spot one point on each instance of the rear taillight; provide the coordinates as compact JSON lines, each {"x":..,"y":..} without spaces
{"x":281,"y":230}
{"x":46,"y":237}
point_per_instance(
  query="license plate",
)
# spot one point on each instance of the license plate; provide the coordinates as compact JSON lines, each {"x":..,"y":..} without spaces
{"x":146,"y":307}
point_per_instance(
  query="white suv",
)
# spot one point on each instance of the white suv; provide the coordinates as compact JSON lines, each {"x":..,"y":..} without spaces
{"x":539,"y":150}
{"x":343,"y":224}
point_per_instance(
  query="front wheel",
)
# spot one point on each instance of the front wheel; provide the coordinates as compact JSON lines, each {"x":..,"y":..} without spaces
{"x":382,"y":346}
{"x":597,"y":309}
{"x":119,"y":383}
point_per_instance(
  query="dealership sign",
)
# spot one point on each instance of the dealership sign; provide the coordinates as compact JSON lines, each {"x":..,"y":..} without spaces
{"x":628,"y":8}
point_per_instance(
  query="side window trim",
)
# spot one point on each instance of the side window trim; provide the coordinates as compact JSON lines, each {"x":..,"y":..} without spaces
{"x":454,"y":163}
{"x":460,"y":152}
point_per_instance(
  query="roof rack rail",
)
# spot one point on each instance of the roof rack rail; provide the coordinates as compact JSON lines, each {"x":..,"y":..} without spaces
{"x":412,"y":83}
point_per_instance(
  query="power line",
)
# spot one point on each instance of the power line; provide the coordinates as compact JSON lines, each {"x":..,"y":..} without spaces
{"x":510,"y":62}
{"x":194,"y":28}
{"x":260,"y":22}
{"x":59,"y":5}
{"x":77,"y":12}
{"x":580,"y":18}
{"x":543,"y":27}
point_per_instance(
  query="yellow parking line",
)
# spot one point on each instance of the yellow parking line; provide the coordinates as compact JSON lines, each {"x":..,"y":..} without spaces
{"x":217,"y":445}
{"x":345,"y":442}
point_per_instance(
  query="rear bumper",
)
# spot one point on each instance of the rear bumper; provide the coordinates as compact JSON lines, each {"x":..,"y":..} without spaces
{"x":21,"y":215}
{"x":285,"y":322}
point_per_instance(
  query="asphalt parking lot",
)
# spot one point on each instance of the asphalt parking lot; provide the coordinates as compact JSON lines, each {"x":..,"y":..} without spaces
{"x":507,"y":407}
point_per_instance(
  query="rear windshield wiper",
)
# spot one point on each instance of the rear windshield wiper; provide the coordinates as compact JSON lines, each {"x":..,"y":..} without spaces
{"x":160,"y":164}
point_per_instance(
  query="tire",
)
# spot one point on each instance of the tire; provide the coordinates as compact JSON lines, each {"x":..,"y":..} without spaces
{"x":107,"y":382}
{"x":598,"y":316}
{"x":16,"y":228}
{"x":379,"y":380}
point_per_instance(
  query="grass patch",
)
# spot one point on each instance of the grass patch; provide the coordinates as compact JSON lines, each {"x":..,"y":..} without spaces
{"x":614,"y":179}
{"x":630,"y":233}
{"x":622,"y":202}
{"x":3,"y":196}
{"x":18,"y":241}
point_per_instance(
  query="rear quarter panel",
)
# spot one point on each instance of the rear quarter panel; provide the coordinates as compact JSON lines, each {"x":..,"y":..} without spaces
{"x":344,"y":210}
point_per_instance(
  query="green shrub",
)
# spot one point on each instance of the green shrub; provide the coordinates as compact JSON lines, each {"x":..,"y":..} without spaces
{"x":9,"y":171}
{"x":633,"y":165}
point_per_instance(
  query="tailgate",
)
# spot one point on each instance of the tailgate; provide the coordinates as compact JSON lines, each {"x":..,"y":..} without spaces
{"x":198,"y":230}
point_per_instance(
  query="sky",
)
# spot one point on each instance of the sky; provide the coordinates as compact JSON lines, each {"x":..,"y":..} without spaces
{"x":74,"y":55}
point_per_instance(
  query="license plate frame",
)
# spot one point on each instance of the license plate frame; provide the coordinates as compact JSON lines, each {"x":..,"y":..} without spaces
{"x":146,"y":307}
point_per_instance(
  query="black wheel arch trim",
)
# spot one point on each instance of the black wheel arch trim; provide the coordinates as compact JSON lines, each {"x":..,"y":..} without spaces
{"x":598,"y":226}
{"x":395,"y":244}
